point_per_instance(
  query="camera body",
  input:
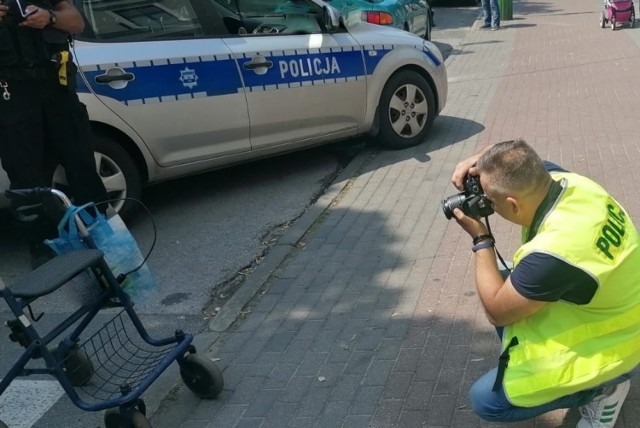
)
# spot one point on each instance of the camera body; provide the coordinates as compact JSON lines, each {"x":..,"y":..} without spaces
{"x":472,"y":201}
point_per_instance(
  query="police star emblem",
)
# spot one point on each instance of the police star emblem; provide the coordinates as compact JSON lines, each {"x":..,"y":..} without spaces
{"x":189,"y":78}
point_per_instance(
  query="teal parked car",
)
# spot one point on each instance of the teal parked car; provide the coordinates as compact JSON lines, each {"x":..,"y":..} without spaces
{"x":414,"y":16}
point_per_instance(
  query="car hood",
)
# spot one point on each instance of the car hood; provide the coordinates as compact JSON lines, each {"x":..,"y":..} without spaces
{"x":370,"y":34}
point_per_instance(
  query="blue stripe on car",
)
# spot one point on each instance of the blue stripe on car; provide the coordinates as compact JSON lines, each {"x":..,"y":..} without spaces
{"x":158,"y":82}
{"x":432,"y":57}
{"x":311,"y":68}
{"x":162,"y":81}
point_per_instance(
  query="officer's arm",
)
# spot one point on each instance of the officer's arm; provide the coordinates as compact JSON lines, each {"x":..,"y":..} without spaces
{"x":65,"y":18}
{"x":502,"y":303}
{"x":68,"y":18}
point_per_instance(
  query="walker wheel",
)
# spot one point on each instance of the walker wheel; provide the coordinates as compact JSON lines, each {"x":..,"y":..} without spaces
{"x":114,"y":419}
{"x":603,"y":20}
{"x":77,"y":366}
{"x":202,"y":376}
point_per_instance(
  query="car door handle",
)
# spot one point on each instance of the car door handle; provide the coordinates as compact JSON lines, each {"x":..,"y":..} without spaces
{"x":109,"y":78}
{"x":254,"y":65}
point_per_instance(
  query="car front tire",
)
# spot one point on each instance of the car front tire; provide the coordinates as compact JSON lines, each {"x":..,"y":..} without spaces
{"x":119,"y":174}
{"x":406,"y":110}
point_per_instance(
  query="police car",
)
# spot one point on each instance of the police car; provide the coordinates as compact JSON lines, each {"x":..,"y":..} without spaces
{"x":178,"y":87}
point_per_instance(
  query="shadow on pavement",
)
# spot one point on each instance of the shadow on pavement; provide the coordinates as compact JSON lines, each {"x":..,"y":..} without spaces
{"x":439,"y":137}
{"x":445,"y":48}
{"x":507,"y":25}
{"x":361,"y":323}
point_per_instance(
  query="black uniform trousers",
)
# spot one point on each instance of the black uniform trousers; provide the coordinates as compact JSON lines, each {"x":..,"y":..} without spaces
{"x":43,"y":124}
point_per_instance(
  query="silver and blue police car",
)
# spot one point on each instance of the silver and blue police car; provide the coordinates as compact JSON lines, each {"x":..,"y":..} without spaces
{"x":178,"y":87}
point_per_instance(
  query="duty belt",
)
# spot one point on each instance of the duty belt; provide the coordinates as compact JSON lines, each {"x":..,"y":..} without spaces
{"x":25,"y":73}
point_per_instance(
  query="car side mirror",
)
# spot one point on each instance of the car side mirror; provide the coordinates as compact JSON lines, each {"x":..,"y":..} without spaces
{"x":331,"y":18}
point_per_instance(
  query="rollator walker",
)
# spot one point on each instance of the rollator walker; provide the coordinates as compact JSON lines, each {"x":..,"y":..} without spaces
{"x":100,"y":367}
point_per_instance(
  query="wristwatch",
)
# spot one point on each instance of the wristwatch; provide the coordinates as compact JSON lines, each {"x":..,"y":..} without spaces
{"x":52,"y":18}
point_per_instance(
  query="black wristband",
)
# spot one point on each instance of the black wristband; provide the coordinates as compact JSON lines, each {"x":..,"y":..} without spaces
{"x":487,"y":243}
{"x":480,"y":238}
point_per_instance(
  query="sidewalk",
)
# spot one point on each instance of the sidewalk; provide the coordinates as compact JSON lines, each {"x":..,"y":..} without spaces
{"x":371,"y":319}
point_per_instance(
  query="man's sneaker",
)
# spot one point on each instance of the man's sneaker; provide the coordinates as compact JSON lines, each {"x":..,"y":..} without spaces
{"x":603,"y":410}
{"x":496,"y":28}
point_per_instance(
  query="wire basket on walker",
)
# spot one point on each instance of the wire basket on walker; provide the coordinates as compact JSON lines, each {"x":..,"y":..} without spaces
{"x":617,"y":11}
{"x":104,"y":367}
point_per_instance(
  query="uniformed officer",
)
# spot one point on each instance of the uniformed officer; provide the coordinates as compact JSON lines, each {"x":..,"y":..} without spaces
{"x":42,"y":121}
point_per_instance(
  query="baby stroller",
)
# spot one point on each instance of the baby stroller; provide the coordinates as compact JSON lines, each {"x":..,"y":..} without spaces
{"x":100,"y":366}
{"x":618,"y":11}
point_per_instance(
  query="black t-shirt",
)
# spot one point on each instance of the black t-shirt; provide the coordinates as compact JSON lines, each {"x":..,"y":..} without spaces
{"x":543,"y":277}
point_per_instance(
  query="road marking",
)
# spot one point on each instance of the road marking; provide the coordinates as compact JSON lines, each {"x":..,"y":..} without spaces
{"x":26,"y":401}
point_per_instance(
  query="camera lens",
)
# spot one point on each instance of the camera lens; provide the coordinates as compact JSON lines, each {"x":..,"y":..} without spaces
{"x":451,"y":203}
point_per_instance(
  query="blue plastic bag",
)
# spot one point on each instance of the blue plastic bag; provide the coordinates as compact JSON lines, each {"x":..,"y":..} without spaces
{"x":113,"y":238}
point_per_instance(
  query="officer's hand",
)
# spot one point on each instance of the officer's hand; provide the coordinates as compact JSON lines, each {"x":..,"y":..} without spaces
{"x":464,"y":167}
{"x":39,"y":18}
{"x":3,"y":11}
{"x":472,"y":226}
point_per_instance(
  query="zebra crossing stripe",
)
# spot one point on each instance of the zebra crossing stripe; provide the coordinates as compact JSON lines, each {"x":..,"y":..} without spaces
{"x":26,"y":401}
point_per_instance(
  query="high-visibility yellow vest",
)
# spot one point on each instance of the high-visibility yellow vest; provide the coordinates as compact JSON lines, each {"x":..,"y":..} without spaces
{"x":565,"y":347}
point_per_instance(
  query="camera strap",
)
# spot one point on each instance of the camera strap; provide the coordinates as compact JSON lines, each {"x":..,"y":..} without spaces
{"x":503,"y":363}
{"x":504,"y":264}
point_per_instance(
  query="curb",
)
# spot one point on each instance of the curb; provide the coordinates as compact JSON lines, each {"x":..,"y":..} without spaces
{"x":285,"y":245}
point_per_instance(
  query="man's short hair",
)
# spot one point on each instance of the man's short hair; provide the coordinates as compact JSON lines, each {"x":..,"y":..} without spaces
{"x":513,"y":167}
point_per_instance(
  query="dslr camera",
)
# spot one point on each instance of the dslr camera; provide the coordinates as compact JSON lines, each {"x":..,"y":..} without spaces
{"x":472,"y":201}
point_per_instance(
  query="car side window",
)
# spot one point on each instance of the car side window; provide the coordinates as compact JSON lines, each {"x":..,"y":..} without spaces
{"x":139,"y":20}
{"x":271,"y":17}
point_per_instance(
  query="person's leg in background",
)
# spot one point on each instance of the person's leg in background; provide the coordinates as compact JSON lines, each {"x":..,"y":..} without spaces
{"x":495,"y":14}
{"x":486,"y":12}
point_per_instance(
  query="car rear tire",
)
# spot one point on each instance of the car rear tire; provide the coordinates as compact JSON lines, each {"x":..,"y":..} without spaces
{"x":119,"y":173}
{"x":406,"y":110}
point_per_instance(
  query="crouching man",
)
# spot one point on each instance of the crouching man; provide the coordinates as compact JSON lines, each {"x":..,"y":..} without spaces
{"x":568,"y":315}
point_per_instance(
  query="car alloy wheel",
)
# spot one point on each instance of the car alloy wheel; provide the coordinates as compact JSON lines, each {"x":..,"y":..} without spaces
{"x":406,"y":109}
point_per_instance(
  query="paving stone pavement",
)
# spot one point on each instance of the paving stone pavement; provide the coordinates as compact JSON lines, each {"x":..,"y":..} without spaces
{"x":372,"y":319}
